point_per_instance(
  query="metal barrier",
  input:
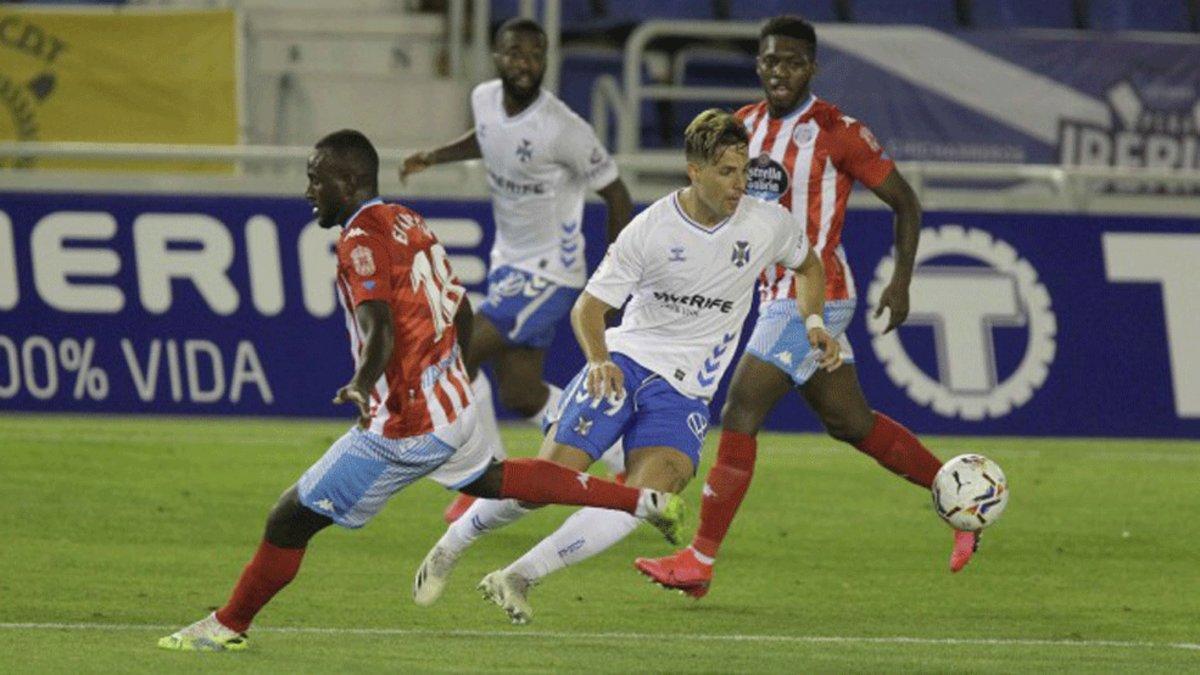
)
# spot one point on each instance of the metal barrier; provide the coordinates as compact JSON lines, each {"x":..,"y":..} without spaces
{"x":1024,"y":187}
{"x":630,"y":123}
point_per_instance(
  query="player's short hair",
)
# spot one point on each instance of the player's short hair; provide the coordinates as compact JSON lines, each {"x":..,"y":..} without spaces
{"x":713,"y":130}
{"x":790,"y":25}
{"x":520,"y":25}
{"x":354,"y":155}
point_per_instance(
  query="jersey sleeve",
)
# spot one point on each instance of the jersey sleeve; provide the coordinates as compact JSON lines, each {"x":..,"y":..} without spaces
{"x":862,"y":157}
{"x":620,"y":271}
{"x":585,"y":156}
{"x":366,"y":263}
{"x":791,"y":243}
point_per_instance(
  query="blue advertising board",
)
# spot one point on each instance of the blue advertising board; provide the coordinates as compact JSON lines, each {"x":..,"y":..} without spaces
{"x":1021,"y":324}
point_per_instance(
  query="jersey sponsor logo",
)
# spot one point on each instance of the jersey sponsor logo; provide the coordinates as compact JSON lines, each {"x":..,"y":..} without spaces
{"x":767,"y":179}
{"x":677,"y":254}
{"x":691,"y":305}
{"x":964,"y":304}
{"x":501,"y":184}
{"x":363,"y":261}
{"x":741,"y":253}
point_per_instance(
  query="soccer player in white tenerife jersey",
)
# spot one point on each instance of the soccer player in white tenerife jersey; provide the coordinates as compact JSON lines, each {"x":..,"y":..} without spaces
{"x":687,"y":264}
{"x":805,"y":155}
{"x":541,"y":158}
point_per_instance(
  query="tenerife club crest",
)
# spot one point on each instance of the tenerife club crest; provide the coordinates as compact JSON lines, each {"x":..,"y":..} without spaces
{"x":741,"y":253}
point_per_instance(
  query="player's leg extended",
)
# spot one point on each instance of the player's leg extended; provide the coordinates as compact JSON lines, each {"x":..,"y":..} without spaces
{"x":591,"y":530}
{"x":755,"y":389}
{"x":289,"y":527}
{"x":838,"y":400}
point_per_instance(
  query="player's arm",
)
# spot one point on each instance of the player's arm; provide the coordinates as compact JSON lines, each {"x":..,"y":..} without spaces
{"x":374,"y":319}
{"x":461,"y":148}
{"x":899,"y":196}
{"x":620,"y":206}
{"x":604,"y":378}
{"x":810,"y":300}
{"x":464,"y":322}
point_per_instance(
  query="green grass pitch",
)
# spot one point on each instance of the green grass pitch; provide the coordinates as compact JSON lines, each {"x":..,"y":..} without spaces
{"x":115,"y":531}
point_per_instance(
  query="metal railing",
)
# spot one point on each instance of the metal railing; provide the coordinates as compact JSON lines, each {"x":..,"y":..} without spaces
{"x":630,"y":122}
{"x":649,"y":174}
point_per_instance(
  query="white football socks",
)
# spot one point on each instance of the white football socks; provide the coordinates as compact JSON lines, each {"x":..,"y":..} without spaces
{"x":484,"y":516}
{"x":485,"y":416}
{"x":587,"y":532}
{"x":551,"y":404}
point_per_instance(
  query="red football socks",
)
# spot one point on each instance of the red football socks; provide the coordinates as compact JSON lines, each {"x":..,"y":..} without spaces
{"x":541,"y":481}
{"x":895,"y":447}
{"x":724,"y":490}
{"x":266,"y":574}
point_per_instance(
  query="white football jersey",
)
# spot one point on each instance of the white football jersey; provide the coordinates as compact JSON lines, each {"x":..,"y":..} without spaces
{"x":690,"y":286}
{"x":540,"y":164}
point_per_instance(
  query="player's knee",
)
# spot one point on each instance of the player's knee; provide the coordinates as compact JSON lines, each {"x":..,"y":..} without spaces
{"x":742,"y":414}
{"x":846,"y":426}
{"x":291,"y":524}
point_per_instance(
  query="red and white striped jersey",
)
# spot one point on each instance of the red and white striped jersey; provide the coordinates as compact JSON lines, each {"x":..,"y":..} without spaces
{"x":387,"y":253}
{"x":808,"y":162}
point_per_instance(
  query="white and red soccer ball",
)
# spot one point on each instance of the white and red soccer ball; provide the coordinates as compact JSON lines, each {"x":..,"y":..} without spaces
{"x":970,"y":492}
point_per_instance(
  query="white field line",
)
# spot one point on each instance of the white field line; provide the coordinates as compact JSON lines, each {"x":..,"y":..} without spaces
{"x":657,"y":637}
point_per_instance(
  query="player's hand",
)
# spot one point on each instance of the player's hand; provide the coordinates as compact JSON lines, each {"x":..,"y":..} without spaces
{"x":352,"y":393}
{"x":415,"y":163}
{"x":895,"y":298}
{"x":605,"y":381}
{"x":831,"y":349}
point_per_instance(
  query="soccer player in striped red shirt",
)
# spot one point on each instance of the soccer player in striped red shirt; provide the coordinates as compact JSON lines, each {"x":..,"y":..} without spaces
{"x":805,"y":154}
{"x":405,"y":313}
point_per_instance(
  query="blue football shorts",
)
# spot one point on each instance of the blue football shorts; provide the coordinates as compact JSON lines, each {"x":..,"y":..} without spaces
{"x":780,"y":338}
{"x":652,"y":413}
{"x":525,"y":307}
{"x":362,"y":470}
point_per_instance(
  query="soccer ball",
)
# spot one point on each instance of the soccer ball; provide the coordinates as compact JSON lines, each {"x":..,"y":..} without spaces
{"x":970,"y":492}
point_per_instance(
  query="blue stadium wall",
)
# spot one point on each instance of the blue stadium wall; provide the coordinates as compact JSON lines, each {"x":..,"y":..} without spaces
{"x":1022,"y":324}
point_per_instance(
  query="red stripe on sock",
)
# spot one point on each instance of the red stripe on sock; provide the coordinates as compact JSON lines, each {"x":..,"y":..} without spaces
{"x":541,"y":481}
{"x":266,"y":574}
{"x":724,"y":489}
{"x":897,"y":449}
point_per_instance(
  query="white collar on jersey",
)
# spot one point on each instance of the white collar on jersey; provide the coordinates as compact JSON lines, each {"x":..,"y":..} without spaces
{"x":521,"y":115}
{"x":687,"y":219}
{"x":370,"y":202}
{"x":812,"y":98}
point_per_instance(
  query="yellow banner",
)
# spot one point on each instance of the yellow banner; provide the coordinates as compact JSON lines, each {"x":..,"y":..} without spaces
{"x":124,"y":77}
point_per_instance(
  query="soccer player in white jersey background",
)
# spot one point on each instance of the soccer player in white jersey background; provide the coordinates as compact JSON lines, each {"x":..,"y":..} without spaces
{"x":688,"y":266}
{"x":806,"y":155}
{"x":541,"y":158}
